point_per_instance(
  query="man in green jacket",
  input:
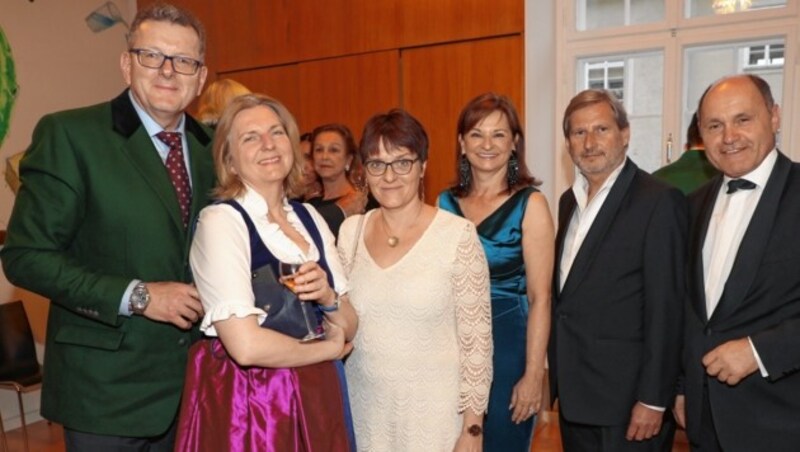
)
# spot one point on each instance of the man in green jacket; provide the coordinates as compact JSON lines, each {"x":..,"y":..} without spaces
{"x":100,"y":228}
{"x":693,"y":169}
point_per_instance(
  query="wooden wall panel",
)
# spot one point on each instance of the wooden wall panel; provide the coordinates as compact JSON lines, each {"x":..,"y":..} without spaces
{"x":437,"y":21}
{"x":438,"y":81}
{"x":345,"y":27}
{"x":279,"y":82}
{"x":348,"y":89}
{"x":247,"y":34}
{"x":251,"y":34}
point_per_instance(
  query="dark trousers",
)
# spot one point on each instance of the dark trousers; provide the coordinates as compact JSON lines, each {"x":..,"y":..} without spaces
{"x":593,"y":438}
{"x":708,"y":441}
{"x":88,"y":442}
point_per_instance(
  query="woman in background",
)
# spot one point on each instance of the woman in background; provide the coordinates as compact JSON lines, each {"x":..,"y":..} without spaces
{"x":285,"y":395}
{"x":215,"y":98}
{"x":421,"y":367}
{"x":495,"y":192}
{"x":337,"y":165}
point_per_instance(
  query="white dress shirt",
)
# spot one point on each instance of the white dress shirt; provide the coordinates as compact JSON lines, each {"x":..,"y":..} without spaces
{"x":729,"y":221}
{"x":220,"y":256}
{"x":583,"y":217}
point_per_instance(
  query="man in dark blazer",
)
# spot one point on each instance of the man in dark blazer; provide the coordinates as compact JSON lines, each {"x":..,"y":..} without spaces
{"x":742,"y":346}
{"x":98,"y":228}
{"x":619,"y":288}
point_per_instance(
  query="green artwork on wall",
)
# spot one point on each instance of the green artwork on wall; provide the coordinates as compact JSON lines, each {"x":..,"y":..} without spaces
{"x":8,"y":85}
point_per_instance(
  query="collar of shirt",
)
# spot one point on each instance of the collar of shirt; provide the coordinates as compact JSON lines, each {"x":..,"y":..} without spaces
{"x":758,"y":176}
{"x":257,"y":208}
{"x":580,"y":188}
{"x":153,"y":128}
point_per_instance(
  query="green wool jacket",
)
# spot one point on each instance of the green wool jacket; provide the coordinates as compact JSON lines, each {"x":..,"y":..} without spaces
{"x":689,"y":172}
{"x":96,"y":210}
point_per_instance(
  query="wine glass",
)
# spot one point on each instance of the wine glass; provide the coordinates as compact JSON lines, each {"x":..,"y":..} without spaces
{"x":288,"y":272}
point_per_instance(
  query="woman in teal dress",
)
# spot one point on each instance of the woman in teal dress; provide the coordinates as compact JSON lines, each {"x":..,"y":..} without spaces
{"x":496,"y":192}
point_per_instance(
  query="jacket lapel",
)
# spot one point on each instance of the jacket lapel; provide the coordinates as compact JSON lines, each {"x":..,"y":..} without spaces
{"x":696,"y":241}
{"x":201,"y":165}
{"x":594,"y":238}
{"x":140,"y":150}
{"x":751,"y":251}
{"x":566,"y":207}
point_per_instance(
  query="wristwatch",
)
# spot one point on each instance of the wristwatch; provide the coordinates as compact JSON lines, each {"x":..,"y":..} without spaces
{"x":475,"y":430}
{"x":139,"y":299}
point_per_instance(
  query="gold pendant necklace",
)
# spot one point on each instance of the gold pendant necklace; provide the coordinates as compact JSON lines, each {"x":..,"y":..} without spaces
{"x":393,"y":240}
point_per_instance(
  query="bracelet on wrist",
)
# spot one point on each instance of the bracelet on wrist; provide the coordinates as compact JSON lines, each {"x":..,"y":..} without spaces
{"x":332,"y":308}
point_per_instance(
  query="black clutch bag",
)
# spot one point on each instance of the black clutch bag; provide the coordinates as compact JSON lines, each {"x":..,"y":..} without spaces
{"x":286,"y":313}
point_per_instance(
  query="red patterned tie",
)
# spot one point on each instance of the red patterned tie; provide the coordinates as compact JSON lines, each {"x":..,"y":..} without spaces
{"x":176,"y":167}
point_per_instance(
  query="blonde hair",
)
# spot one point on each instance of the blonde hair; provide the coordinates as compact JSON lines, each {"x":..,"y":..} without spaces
{"x":214,"y":99}
{"x":229,"y":184}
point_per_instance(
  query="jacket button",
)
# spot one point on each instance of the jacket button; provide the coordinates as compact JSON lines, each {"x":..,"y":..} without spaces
{"x":182,"y":341}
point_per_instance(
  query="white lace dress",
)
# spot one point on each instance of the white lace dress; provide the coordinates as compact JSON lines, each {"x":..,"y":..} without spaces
{"x":423,"y":351}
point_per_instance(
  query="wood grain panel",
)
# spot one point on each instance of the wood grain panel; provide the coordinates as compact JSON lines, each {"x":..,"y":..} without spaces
{"x":251,"y":34}
{"x":279,"y":82}
{"x":438,"y":21}
{"x":438,"y":81}
{"x":345,"y":27}
{"x":348,"y":89}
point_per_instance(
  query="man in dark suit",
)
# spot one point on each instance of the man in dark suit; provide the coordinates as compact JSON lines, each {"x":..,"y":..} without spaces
{"x":620,"y":253}
{"x":742,"y":346}
{"x":693,"y":169}
{"x":100,"y":228}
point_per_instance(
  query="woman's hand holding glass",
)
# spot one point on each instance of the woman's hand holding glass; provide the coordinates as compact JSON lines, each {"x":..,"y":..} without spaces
{"x":310,"y":282}
{"x":295,"y":277}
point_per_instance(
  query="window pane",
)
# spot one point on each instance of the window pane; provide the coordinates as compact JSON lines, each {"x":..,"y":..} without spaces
{"x":698,"y":8}
{"x":594,"y":14}
{"x":631,"y":76}
{"x":705,"y":64}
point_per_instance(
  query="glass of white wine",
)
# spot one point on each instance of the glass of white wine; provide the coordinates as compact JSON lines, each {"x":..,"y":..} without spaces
{"x":288,"y":272}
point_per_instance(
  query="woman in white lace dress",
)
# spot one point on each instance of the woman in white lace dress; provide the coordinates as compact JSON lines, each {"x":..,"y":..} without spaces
{"x":421,"y":368}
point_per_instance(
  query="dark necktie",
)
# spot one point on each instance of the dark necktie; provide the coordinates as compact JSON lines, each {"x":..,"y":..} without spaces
{"x":739,"y":184}
{"x":176,"y":168}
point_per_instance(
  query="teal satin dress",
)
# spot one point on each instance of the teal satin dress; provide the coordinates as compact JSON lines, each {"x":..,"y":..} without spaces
{"x":501,"y":236}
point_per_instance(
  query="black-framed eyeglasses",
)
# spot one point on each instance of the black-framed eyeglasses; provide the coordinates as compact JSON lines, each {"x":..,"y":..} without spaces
{"x":399,"y":167}
{"x":155,"y":60}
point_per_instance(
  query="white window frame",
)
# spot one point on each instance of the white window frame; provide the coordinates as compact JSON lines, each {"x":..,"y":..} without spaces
{"x":671,"y":36}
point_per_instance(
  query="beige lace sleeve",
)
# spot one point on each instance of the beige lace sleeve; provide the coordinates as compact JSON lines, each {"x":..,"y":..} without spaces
{"x":473,"y":322}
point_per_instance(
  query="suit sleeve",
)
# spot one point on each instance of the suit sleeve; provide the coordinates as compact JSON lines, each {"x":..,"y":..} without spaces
{"x":665,"y":289}
{"x":779,"y":348}
{"x":46,"y":218}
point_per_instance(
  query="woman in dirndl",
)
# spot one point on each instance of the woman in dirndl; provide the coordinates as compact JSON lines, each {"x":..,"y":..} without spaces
{"x":250,"y":387}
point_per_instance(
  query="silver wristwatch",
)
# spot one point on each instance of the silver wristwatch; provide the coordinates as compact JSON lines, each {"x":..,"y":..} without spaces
{"x":139,"y":299}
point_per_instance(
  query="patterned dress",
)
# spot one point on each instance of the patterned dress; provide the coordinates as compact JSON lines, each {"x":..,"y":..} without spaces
{"x":423,"y":349}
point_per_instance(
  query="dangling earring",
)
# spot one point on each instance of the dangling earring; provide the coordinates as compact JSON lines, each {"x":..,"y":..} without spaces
{"x":421,"y":188}
{"x":512,"y":175}
{"x":464,"y":172}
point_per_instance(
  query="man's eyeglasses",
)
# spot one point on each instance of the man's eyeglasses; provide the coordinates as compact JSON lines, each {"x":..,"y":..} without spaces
{"x":399,"y":167}
{"x":155,"y":60}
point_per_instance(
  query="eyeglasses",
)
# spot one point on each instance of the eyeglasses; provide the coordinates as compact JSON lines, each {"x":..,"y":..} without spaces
{"x":155,"y":60}
{"x":399,"y":167}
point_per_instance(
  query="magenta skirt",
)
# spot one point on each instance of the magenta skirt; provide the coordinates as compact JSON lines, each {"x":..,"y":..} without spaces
{"x":226,"y":407}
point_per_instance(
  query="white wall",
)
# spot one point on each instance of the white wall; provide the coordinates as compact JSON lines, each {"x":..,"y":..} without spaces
{"x":60,"y":63}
